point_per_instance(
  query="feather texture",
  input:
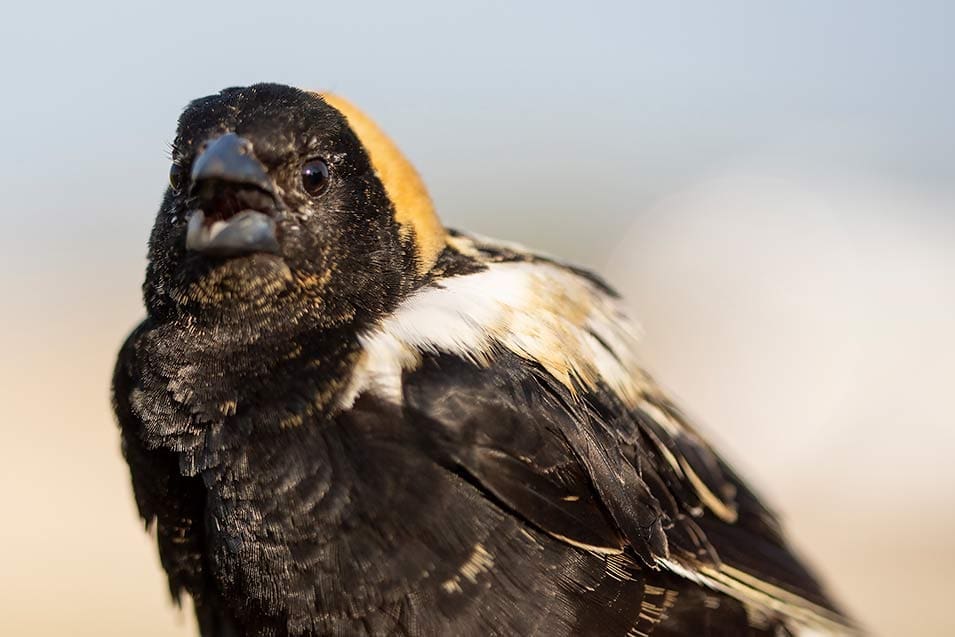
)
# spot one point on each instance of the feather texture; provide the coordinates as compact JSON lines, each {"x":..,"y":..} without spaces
{"x":381,"y":427}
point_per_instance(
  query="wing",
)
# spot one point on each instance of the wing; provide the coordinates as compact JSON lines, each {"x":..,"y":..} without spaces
{"x":590,"y":473}
{"x":528,"y":371}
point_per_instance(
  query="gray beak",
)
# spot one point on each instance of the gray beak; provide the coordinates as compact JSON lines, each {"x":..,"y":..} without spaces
{"x":248,"y":231}
{"x":236,"y":201}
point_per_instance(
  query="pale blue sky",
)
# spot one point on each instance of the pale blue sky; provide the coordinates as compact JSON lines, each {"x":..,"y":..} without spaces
{"x":518,"y":114}
{"x":771,"y":186}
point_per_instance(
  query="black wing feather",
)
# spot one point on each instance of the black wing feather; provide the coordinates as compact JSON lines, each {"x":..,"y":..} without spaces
{"x":591,"y":471}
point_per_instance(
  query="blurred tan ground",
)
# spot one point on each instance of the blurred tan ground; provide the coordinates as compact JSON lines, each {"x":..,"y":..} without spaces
{"x":811,"y":335}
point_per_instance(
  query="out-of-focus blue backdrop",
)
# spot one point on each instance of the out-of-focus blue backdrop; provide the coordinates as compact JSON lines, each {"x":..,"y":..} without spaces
{"x":770,"y":185}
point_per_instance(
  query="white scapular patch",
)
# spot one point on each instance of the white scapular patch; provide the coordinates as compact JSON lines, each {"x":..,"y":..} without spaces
{"x":538,"y":310}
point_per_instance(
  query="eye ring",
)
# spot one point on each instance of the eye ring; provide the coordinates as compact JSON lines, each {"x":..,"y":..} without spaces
{"x":176,"y":175}
{"x":315,"y":176}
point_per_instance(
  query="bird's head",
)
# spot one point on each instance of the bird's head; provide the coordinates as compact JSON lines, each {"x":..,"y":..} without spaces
{"x":291,"y":201}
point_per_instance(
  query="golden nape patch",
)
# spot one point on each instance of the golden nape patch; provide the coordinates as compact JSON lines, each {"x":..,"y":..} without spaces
{"x":414,"y":210}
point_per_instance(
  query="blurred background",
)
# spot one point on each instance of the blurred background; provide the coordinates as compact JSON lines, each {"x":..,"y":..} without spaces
{"x":769,"y":184}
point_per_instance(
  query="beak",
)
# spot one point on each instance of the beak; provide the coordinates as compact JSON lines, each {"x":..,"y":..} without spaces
{"x":236,"y":201}
{"x":230,"y":159}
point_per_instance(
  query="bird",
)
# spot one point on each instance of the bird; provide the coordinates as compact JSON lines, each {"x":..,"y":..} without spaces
{"x":343,"y":418}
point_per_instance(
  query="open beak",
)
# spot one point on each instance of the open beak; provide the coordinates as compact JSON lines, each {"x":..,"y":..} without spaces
{"x":236,"y":201}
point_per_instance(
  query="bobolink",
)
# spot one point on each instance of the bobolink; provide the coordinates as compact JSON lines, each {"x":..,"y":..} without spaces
{"x":344,"y":419}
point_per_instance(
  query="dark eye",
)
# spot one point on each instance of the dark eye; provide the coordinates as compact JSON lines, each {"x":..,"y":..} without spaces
{"x":175,"y":177}
{"x":315,"y":176}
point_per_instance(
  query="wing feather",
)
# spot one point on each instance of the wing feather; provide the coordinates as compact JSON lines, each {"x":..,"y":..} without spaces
{"x":534,"y":383}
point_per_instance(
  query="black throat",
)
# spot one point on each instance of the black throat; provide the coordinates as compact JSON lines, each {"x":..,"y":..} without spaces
{"x":250,"y":376}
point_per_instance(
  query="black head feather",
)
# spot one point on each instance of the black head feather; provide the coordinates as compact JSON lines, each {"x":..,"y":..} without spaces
{"x":341,"y":259}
